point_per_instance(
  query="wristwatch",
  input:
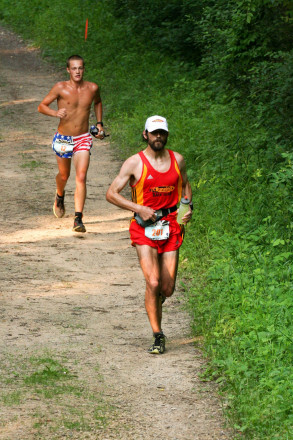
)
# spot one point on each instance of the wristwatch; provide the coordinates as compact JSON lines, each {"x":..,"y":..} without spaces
{"x":191,"y":206}
{"x":100,"y":123}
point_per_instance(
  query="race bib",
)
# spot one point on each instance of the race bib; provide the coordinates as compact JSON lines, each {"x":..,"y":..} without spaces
{"x":158,"y":230}
{"x":63,"y":144}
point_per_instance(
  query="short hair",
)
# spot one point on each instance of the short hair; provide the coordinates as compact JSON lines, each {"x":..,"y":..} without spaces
{"x":74,"y":57}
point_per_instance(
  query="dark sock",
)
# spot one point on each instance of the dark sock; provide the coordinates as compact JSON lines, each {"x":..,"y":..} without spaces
{"x":60,"y":197}
{"x":78,"y":214}
{"x":158,"y":334}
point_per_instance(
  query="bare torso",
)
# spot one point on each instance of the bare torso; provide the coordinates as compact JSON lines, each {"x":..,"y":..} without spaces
{"x":74,"y":100}
{"x":77,"y":102}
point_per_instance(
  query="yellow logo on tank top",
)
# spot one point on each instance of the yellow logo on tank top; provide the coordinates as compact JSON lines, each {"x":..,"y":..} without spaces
{"x":162,"y":189}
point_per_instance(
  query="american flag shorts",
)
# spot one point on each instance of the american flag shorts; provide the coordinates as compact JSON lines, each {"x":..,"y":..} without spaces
{"x":83,"y":142}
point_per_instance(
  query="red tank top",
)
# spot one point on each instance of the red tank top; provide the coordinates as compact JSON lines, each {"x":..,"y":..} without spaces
{"x":158,"y":190}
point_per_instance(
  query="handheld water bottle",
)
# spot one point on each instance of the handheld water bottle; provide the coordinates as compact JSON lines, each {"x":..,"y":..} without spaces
{"x":183,"y":209}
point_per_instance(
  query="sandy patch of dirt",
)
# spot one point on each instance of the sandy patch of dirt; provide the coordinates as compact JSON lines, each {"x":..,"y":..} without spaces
{"x":79,"y":299}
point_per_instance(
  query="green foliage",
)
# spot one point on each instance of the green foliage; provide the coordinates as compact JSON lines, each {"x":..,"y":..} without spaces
{"x":244,"y":47}
{"x":238,"y":270}
{"x":221,"y":71}
{"x":164,"y":28}
{"x":248,"y":51}
{"x":242,"y":303}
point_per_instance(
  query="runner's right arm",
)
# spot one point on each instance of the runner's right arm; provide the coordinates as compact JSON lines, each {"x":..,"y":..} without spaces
{"x":52,"y":96}
{"x":113,"y":194}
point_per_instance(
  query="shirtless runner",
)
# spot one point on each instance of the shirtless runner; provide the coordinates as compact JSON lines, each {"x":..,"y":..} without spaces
{"x":158,"y":180}
{"x":74,"y":99}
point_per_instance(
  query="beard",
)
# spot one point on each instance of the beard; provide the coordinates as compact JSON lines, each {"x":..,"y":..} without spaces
{"x":157,"y":145}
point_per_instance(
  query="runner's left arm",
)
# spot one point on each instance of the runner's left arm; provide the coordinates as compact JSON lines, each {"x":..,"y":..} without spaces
{"x":98,"y":109}
{"x":186,"y":187}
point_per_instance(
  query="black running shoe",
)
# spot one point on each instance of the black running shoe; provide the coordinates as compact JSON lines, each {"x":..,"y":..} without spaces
{"x":58,"y":207}
{"x":78,"y":226}
{"x":158,"y":347}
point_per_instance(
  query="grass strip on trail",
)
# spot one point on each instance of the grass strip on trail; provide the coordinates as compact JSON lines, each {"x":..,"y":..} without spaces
{"x":57,"y":399}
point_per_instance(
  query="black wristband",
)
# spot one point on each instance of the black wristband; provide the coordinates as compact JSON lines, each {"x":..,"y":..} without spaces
{"x":100,"y":123}
{"x":191,"y":206}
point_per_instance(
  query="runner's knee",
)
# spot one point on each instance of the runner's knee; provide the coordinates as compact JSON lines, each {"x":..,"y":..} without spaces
{"x":63,"y":176}
{"x":153,"y":284}
{"x":81,"y":177}
{"x":168,"y":289}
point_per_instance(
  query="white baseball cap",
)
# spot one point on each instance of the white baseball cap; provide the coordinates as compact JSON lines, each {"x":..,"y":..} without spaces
{"x":156,"y":123}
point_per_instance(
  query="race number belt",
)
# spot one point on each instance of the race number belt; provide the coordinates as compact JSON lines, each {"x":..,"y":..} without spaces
{"x":160,"y":213}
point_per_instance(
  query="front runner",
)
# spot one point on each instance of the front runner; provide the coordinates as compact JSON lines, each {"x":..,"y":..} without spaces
{"x":158,"y":180}
{"x":74,"y":100}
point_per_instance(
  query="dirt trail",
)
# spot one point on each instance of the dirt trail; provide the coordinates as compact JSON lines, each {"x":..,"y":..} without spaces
{"x":78,"y":298}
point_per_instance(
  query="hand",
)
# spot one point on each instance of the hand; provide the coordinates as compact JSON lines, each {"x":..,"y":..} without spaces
{"x":147,"y":213}
{"x":61,"y":113}
{"x":187,"y":217}
{"x":101,"y":133}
